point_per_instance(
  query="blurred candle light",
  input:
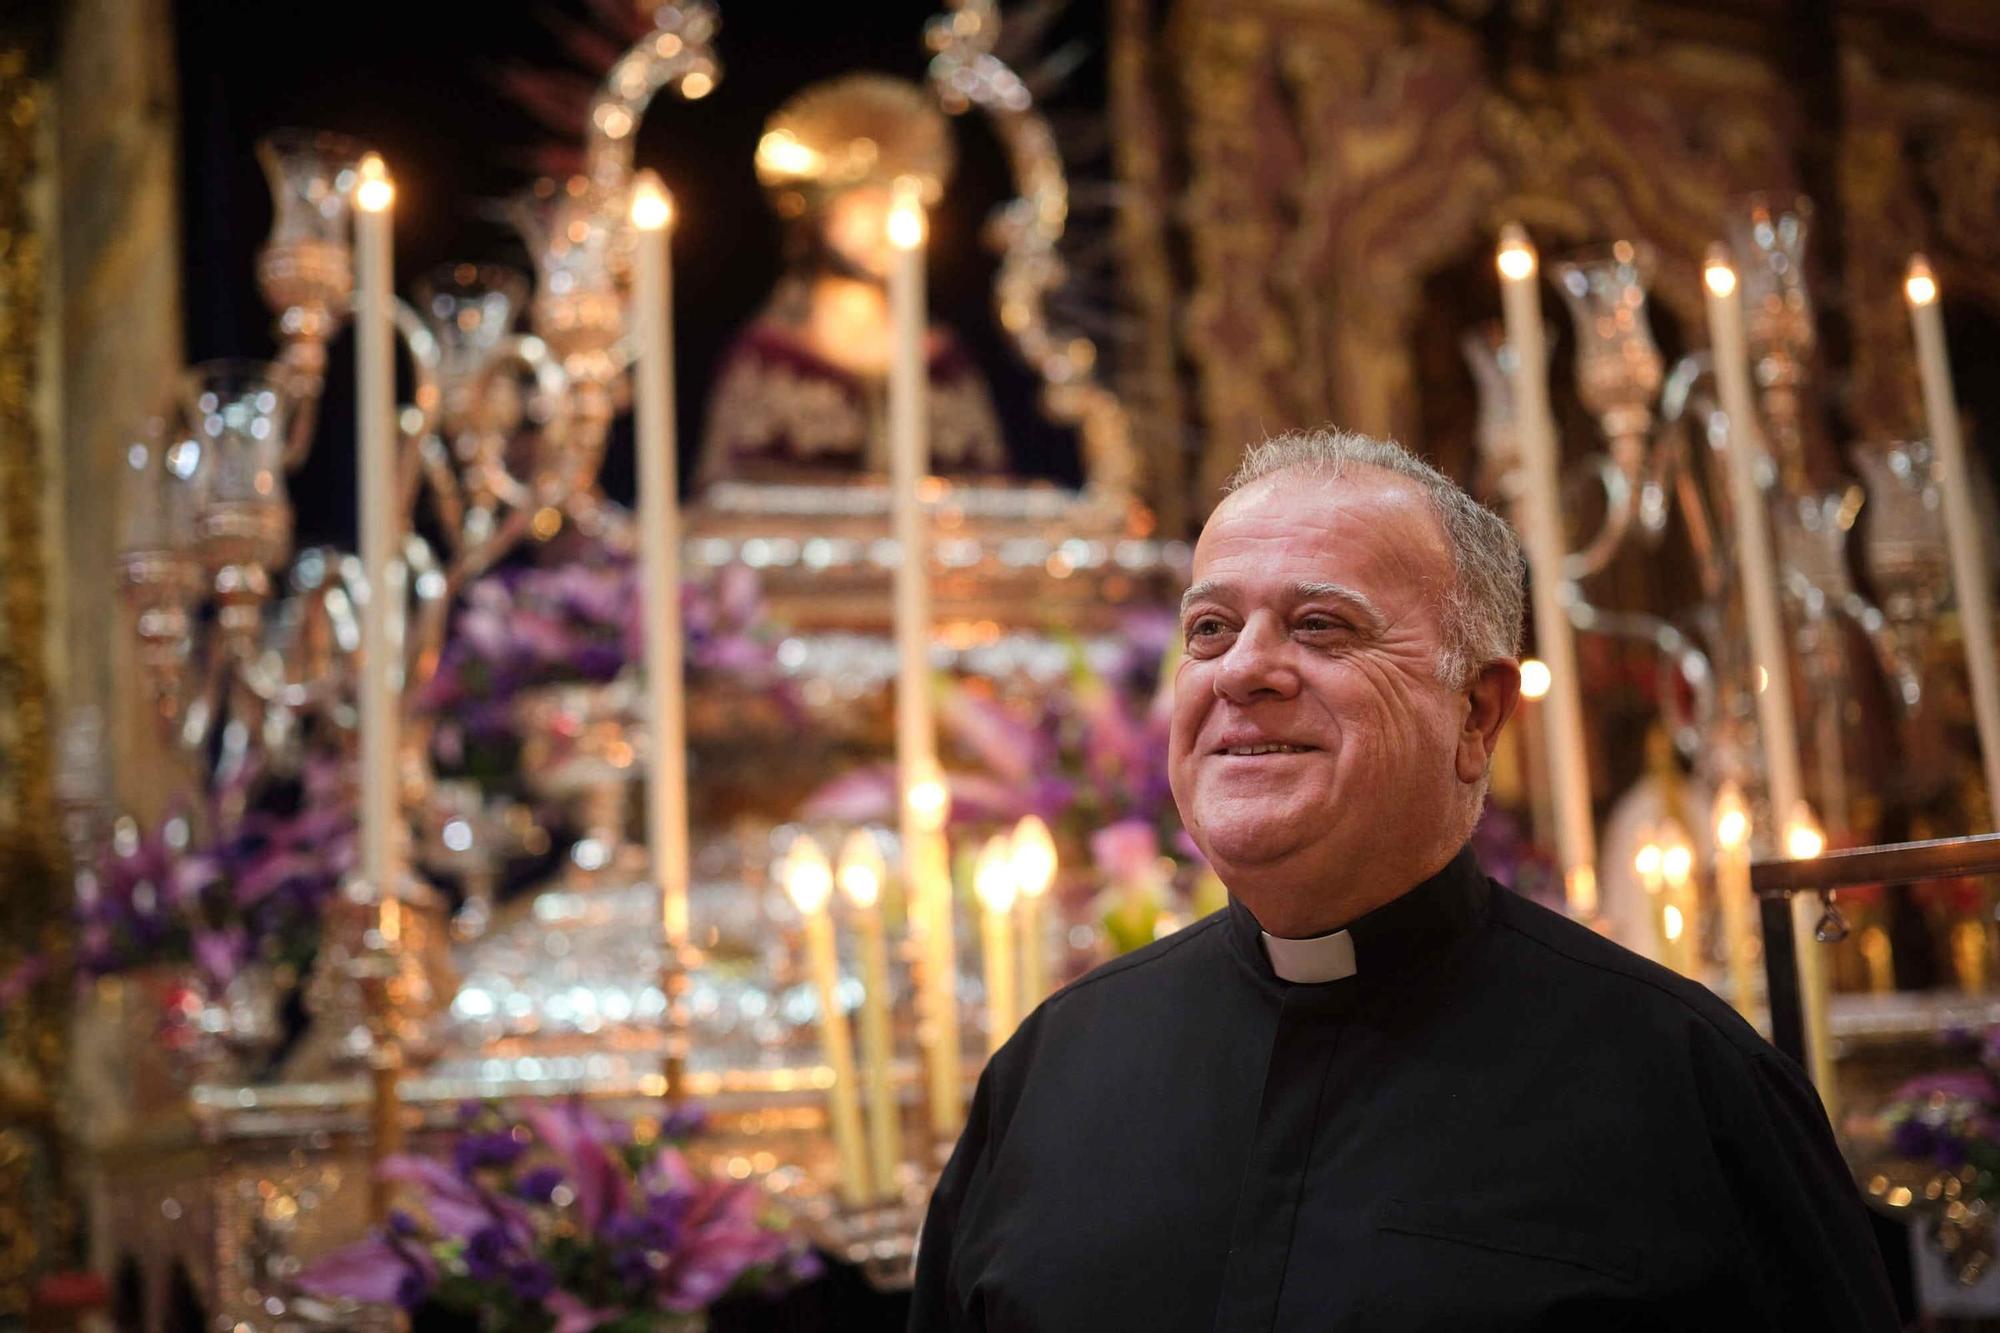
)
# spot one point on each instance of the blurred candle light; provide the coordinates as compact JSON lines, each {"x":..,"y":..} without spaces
{"x":1804,"y":838}
{"x":993,"y":881}
{"x":1677,"y":905}
{"x":1034,"y":857}
{"x":1732,"y":892}
{"x":1541,"y":511}
{"x":860,"y":877}
{"x":1534,"y":678}
{"x":1969,"y":575}
{"x":808,"y":881}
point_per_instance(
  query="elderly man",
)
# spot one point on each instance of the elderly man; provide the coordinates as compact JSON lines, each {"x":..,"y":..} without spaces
{"x":1378,"y":1092}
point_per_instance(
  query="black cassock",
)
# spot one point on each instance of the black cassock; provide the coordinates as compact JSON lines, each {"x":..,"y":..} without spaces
{"x":1501,"y":1121}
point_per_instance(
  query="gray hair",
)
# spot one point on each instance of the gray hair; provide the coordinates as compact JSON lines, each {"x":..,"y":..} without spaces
{"x":1480,"y":614}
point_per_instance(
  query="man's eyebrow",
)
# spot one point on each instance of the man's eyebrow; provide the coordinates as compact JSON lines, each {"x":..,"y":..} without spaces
{"x":1303,"y":592}
{"x":1197,"y":591}
{"x":1339,"y":592}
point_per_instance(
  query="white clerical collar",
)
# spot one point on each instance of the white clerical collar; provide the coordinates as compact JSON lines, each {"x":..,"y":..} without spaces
{"x":1321,"y":958}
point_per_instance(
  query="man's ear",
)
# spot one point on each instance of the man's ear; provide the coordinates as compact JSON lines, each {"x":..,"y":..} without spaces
{"x":1490,"y":698}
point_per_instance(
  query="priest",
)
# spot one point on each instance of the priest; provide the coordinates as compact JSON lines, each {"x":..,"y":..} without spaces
{"x":1378,"y":1091}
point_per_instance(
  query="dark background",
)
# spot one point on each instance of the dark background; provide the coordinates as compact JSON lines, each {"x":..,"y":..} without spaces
{"x":421,"y":82}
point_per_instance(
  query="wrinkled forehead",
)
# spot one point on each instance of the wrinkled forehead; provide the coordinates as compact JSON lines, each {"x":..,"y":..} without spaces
{"x":1367,"y":529}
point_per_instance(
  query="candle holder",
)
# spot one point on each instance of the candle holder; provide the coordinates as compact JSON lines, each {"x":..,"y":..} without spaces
{"x":1768,"y":236}
{"x":1905,"y":552}
{"x":579,"y":312}
{"x":1619,"y":375}
{"x":239,"y":412}
{"x":470,"y":311}
{"x":306,"y":267}
{"x":159,"y":579}
{"x":369,"y":994}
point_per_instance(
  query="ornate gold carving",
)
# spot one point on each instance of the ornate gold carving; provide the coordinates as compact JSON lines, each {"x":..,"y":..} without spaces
{"x":29,"y":911}
{"x":1340,"y":156}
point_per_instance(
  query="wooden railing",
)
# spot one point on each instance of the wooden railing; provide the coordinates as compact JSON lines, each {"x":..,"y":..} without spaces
{"x":1774,"y":883}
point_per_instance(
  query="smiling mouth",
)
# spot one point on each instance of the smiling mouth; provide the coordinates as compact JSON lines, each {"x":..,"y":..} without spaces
{"x":1246,"y":751}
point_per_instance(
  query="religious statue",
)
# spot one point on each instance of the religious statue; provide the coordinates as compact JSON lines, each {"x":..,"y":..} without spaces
{"x":802,"y":393}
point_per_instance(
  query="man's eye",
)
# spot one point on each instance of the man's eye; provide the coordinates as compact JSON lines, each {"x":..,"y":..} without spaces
{"x":1204,"y":626}
{"x":1321,"y":624}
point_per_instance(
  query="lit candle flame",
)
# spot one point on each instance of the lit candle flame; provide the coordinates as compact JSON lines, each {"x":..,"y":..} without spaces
{"x":1718,"y":273}
{"x":1732,"y":817}
{"x":929,"y":798}
{"x":808,"y":879}
{"x":1921,"y":284}
{"x":993,"y":876}
{"x":1034,"y":857}
{"x":1647,"y":862}
{"x":1804,"y":838}
{"x":1516,"y":259}
{"x":861,"y":869}
{"x":652,"y":206}
{"x":1671,"y":918}
{"x":1535,"y":678}
{"x":1580,"y":890}
{"x":376,"y":191}
{"x":906,"y":216}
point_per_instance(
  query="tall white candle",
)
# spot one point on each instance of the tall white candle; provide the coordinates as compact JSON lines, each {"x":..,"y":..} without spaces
{"x":909,"y":463}
{"x":660,"y":554}
{"x":1961,"y":524}
{"x":860,"y":877}
{"x":809,"y":880}
{"x":1777,"y":725}
{"x":993,"y":881}
{"x":1034,"y":862}
{"x":1541,"y":511}
{"x":381,"y":525}
{"x":927,"y":877}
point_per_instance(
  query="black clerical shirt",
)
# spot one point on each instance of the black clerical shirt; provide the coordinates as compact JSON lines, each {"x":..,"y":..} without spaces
{"x":1501,"y":1121}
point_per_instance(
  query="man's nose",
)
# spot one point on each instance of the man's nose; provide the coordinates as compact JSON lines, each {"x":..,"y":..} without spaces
{"x":1258,"y":665}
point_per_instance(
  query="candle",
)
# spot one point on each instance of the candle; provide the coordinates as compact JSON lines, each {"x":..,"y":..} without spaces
{"x":1528,"y":731}
{"x":993,"y":881}
{"x":659,"y":555}
{"x":375,"y":413}
{"x":1646,"y":862}
{"x":1034,"y":865}
{"x":1678,"y":923}
{"x":1732,"y":892}
{"x":927,"y":875}
{"x":809,"y":881}
{"x":860,"y":878}
{"x":1541,"y":512}
{"x":1777,"y":726}
{"x":380,"y":531}
{"x":909,"y":461}
{"x":1961,"y":525}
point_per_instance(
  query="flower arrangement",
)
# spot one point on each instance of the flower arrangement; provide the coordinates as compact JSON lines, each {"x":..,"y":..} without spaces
{"x":253,"y":893}
{"x":1951,"y":1119}
{"x":554,"y":1220}
{"x":577,"y":622}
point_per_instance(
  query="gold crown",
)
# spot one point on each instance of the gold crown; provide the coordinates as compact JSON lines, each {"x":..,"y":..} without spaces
{"x":859,"y":129}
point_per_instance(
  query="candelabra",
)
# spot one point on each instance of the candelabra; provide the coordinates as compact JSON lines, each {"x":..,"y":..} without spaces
{"x":1665,"y":439}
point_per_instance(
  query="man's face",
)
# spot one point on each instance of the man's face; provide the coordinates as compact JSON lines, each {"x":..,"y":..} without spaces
{"x":1309,"y":728}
